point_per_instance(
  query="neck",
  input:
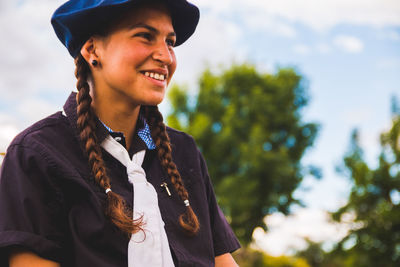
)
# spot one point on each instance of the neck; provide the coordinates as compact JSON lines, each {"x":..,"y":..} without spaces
{"x":119,"y":115}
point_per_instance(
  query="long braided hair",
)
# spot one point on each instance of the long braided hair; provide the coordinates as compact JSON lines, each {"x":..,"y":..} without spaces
{"x":116,"y":209}
{"x":188,"y":220}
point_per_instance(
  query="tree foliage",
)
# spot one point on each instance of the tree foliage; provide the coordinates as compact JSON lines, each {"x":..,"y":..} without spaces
{"x":374,"y":202}
{"x":316,"y":256}
{"x":248,"y":126}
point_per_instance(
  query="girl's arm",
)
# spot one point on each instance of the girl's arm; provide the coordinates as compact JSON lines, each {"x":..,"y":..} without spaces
{"x":225,"y":260}
{"x":24,"y":258}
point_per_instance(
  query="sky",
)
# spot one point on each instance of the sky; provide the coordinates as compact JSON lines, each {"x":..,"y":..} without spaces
{"x":347,"y":50}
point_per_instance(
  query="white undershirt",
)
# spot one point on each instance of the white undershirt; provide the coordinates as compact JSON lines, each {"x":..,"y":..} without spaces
{"x":150,"y":247}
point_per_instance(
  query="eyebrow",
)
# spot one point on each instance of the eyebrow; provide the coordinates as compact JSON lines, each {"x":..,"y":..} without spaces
{"x":150,"y":28}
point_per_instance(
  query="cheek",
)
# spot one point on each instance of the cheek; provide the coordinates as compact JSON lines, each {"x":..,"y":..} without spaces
{"x":125,"y":57}
{"x":135,"y":54}
{"x":114,"y":60}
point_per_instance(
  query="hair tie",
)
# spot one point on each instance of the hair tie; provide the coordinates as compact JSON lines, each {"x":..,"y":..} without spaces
{"x":108,"y":190}
{"x":186,"y":203}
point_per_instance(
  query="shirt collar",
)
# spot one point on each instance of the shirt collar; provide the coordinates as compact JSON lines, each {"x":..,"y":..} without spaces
{"x":142,"y":130}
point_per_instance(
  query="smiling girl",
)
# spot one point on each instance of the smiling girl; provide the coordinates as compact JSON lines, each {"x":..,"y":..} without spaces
{"x":105,"y":182}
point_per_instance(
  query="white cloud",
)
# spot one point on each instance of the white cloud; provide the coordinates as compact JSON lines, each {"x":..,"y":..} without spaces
{"x":215,"y":42}
{"x":287,"y":234}
{"x":319,"y":15}
{"x":256,"y":20}
{"x":349,"y":44}
{"x":7,"y":133}
{"x":34,"y":109}
{"x":32,"y":57}
{"x":33,"y":60}
{"x":8,"y":130}
{"x":24,"y":113}
{"x":33,"y":63}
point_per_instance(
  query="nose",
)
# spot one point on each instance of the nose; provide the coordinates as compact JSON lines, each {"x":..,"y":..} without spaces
{"x":164,"y":54}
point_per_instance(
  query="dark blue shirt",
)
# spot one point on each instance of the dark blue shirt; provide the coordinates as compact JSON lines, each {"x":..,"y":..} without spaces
{"x":50,"y":204}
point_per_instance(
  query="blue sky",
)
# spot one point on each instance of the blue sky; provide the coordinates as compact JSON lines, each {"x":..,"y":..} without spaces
{"x":349,"y":55}
{"x":349,"y":52}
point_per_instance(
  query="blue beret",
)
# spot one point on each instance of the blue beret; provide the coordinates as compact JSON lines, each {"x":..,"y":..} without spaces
{"x":76,"y":20}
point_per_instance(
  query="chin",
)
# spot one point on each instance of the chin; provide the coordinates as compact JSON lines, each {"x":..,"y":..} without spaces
{"x":153,"y":102}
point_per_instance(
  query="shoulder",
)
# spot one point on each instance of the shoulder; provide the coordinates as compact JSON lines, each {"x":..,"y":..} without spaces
{"x":47,"y":130}
{"x":183,"y":146}
{"x":48,"y":142}
{"x":47,"y":152}
{"x":29,"y":157}
{"x":179,"y":138}
{"x":186,"y":154}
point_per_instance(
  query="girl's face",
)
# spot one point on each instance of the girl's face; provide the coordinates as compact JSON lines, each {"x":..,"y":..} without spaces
{"x":136,"y":58}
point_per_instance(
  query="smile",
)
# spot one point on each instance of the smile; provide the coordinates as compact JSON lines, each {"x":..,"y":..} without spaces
{"x":155,"y":75}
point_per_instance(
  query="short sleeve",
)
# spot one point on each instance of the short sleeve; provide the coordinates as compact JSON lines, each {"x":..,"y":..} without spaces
{"x":224,"y":239}
{"x":30,"y":209}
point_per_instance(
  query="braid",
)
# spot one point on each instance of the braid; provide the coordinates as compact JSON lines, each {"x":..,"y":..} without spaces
{"x":188,"y":220}
{"x":115,"y":207}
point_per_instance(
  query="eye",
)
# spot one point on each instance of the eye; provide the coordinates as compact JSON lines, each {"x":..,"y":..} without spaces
{"x":170,"y":42}
{"x":145,"y":35}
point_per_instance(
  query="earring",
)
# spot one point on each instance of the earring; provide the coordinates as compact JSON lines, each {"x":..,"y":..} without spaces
{"x":94,"y":63}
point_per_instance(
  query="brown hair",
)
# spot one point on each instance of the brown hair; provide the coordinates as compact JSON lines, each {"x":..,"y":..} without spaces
{"x":188,"y":220}
{"x":116,"y":208}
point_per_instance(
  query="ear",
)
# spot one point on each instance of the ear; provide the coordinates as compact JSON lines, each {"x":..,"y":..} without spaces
{"x":88,"y":51}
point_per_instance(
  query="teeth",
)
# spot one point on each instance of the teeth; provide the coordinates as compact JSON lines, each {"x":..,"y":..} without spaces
{"x":154,"y":75}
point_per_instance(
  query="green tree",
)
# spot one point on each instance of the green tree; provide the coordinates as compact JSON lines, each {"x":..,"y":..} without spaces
{"x":314,"y":254}
{"x":374,"y":202}
{"x":248,"y":126}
